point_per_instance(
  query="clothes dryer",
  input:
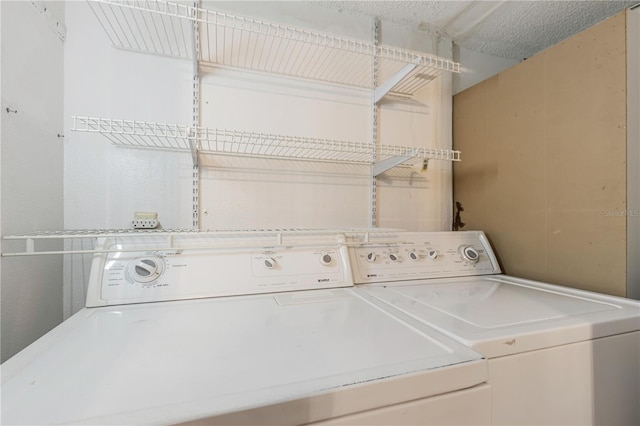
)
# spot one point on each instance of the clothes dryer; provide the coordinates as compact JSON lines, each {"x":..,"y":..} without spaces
{"x":557,"y":355}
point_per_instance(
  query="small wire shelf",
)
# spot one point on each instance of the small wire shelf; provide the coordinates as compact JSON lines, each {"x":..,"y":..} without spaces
{"x":165,"y":28}
{"x":143,"y":134}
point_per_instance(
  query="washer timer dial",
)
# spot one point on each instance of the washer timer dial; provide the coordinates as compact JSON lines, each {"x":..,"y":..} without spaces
{"x":270,"y":263}
{"x":146,"y":269}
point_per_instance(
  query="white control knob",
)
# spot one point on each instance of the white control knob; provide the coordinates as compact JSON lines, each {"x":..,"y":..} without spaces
{"x":393,"y":257}
{"x":270,"y":262}
{"x":371,"y":257}
{"x":413,"y":255}
{"x":469,"y":254}
{"x":146,"y":269}
{"x":433,"y":254}
{"x":326,"y":259}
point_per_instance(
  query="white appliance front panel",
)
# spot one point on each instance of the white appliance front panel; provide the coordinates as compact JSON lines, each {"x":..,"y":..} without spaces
{"x":500,"y":315}
{"x":175,"y":361}
{"x":422,"y":255}
{"x":152,"y":274}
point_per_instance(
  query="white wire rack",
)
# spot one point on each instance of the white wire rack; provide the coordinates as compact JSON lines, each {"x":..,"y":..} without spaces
{"x":184,"y":239}
{"x":232,"y":142}
{"x":144,"y":134}
{"x":157,"y":27}
{"x":164,"y":28}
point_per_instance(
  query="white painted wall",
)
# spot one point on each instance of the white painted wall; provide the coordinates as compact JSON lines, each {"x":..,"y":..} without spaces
{"x":31,"y":170}
{"x":476,"y":67}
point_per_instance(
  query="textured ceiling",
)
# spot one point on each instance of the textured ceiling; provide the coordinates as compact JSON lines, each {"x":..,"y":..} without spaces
{"x":508,"y":29}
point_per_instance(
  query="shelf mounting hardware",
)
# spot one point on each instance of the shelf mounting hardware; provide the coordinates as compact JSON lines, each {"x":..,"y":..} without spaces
{"x":382,"y":166}
{"x":382,"y":90}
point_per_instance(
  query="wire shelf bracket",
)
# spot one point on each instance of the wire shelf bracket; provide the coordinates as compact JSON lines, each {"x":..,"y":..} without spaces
{"x":382,"y":166}
{"x":382,"y":90}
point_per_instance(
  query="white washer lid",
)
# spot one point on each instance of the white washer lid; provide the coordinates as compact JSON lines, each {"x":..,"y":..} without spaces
{"x":499,"y":315}
{"x":176,"y":361}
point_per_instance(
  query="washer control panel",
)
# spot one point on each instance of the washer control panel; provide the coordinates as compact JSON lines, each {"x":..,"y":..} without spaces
{"x":146,"y":275}
{"x":420,"y":255}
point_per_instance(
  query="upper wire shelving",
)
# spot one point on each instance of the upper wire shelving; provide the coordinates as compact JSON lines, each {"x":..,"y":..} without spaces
{"x":202,"y":140}
{"x":164,"y":28}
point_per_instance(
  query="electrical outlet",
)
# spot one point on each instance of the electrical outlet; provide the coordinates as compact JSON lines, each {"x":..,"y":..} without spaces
{"x":145,"y":220}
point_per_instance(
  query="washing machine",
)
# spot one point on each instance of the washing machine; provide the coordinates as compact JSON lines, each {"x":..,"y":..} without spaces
{"x":556,"y":355}
{"x":253,"y":328}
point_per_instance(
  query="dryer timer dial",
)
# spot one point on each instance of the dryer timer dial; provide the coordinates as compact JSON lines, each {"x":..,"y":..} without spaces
{"x":326,"y":259}
{"x":469,"y":254}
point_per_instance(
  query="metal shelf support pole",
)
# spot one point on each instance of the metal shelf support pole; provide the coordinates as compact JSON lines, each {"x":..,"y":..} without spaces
{"x":374,"y":128}
{"x":193,"y":141}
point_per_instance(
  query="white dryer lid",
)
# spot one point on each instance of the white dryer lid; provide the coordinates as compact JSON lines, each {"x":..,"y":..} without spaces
{"x":169,"y":362}
{"x":499,"y":315}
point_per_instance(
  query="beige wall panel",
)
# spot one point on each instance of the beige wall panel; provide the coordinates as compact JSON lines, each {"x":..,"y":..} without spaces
{"x":516,"y":201}
{"x":543,"y":148}
{"x":520,"y":253}
{"x":585,"y":125}
{"x":516,"y":138}
{"x":586,"y":141}
{"x":471,"y":174}
{"x":584,"y":251}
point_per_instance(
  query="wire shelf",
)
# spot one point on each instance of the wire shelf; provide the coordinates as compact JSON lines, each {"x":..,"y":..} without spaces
{"x":392,"y":151}
{"x":185,"y":239}
{"x":232,"y":142}
{"x":164,"y":28}
{"x":149,"y":26}
{"x":144,"y":134}
{"x":133,"y":133}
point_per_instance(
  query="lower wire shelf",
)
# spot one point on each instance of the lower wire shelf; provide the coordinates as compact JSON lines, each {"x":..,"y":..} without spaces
{"x":201,"y":140}
{"x":166,"y":240}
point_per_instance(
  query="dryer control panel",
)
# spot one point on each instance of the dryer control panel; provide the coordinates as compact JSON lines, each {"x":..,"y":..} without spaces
{"x":129,"y":274}
{"x":420,"y":255}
